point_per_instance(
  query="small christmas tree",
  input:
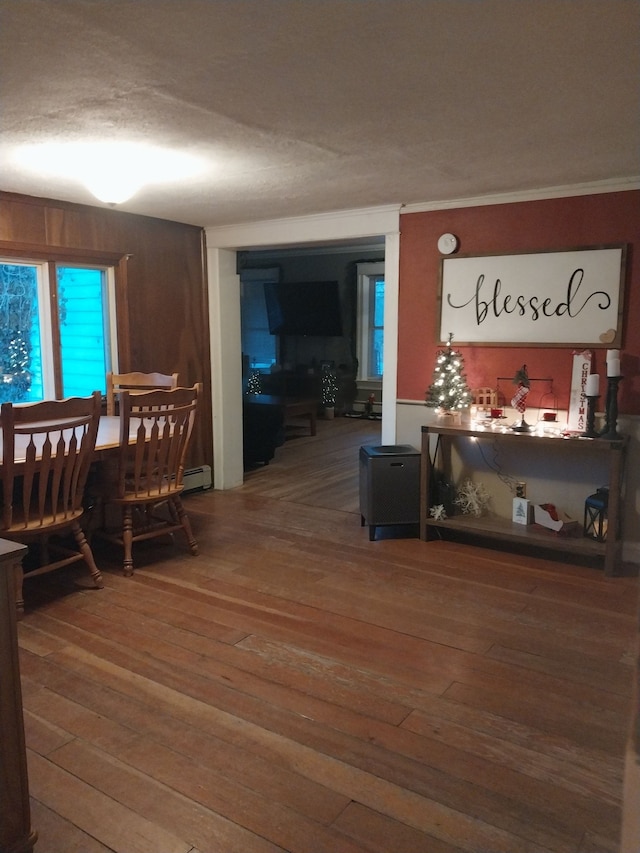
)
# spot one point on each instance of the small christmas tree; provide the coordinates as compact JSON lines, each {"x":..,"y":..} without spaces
{"x":449,"y":389}
{"x":329,"y":387}
{"x":254,"y":382}
{"x":16,"y":382}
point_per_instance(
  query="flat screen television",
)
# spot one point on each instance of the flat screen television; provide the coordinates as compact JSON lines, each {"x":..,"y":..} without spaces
{"x":304,"y":308}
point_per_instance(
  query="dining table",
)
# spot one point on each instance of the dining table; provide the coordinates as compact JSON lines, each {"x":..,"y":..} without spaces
{"x":108,"y":437}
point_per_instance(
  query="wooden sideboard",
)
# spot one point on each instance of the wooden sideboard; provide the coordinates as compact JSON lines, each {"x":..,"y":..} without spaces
{"x":16,"y":834}
{"x":491,"y":527}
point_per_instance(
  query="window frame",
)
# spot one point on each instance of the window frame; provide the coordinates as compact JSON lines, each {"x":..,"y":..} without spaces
{"x":49,"y":257}
{"x":366,"y":273}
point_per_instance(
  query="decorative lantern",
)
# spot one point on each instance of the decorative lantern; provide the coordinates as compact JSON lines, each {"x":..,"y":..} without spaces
{"x":595,"y":515}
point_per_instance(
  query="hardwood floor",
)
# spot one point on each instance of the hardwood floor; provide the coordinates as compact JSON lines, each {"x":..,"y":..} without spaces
{"x":296,"y":687}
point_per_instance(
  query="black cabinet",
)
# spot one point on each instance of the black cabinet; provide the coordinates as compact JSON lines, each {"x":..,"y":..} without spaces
{"x":389,"y":485}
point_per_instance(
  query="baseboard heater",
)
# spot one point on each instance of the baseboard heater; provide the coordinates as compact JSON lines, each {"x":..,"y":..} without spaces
{"x":197,"y":479}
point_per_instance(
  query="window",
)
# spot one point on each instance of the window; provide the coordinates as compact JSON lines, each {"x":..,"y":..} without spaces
{"x":85,"y":328}
{"x":370,"y":321}
{"x":57,"y":328}
{"x":258,"y":345}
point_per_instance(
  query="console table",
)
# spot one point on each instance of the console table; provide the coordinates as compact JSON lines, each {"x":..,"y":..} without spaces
{"x":16,"y":834}
{"x":502,"y":529}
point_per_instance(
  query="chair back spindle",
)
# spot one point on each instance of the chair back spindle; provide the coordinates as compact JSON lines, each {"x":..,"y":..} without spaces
{"x":47,"y":451}
{"x":57,"y":439}
{"x":136,"y":382}
{"x":162,"y":422}
{"x":155,"y":429}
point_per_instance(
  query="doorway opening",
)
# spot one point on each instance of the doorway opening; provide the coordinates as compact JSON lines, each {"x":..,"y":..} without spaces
{"x":336,"y":231}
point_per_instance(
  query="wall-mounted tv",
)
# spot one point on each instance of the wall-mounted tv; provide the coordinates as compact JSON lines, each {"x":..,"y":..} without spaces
{"x":304,"y":308}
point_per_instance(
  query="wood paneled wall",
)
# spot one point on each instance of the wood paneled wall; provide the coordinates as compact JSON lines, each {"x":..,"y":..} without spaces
{"x":164,"y":304}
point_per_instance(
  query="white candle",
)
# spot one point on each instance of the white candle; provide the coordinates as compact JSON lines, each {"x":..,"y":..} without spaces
{"x":592,"y":387}
{"x":612,"y":353}
{"x":613,"y":367}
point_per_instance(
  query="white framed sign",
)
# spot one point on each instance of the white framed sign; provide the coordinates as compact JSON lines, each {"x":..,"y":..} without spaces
{"x":560,"y":298}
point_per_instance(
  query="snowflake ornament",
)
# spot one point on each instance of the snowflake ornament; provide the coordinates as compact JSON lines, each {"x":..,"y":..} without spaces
{"x":438,"y":512}
{"x":472,"y":498}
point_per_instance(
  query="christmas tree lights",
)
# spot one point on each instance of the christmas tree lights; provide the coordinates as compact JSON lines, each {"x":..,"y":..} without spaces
{"x":329,"y":387}
{"x":254,"y":382}
{"x":449,"y":390}
{"x":18,"y":304}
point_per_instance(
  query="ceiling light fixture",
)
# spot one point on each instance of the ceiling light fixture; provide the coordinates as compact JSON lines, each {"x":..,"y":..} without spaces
{"x":112,"y":171}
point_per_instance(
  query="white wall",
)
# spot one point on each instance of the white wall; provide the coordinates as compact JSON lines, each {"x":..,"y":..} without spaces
{"x":226,"y":368}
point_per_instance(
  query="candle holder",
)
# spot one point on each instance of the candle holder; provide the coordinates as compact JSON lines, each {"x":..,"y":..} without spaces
{"x":610,"y":431}
{"x":522,"y":426}
{"x":590,"y":431}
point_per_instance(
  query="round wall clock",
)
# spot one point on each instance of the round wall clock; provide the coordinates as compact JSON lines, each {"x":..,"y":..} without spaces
{"x":447,"y":244}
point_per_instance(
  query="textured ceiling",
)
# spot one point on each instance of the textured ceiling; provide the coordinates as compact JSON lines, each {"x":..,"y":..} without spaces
{"x":307,"y":106}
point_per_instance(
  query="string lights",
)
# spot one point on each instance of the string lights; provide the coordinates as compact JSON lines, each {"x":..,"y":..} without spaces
{"x":254,"y":382}
{"x":329,"y":387}
{"x":449,"y":390}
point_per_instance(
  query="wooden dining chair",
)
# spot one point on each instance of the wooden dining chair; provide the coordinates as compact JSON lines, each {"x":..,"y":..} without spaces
{"x":155,"y":429}
{"x":47,"y":449}
{"x":136,"y":382}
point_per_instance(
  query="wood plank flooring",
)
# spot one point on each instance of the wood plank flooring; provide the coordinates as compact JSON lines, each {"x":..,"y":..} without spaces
{"x":296,"y":687}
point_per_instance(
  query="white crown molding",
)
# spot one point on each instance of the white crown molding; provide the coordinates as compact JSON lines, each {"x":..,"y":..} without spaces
{"x":349,"y":224}
{"x":594,"y":188}
{"x":363,"y":223}
{"x":368,"y":222}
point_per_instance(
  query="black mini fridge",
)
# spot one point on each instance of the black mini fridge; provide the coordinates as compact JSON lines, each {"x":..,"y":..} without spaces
{"x":389,"y":485}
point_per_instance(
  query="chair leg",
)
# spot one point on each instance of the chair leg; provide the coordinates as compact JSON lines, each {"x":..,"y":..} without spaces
{"x":87,"y":553}
{"x":127,"y":540}
{"x":183,"y":518}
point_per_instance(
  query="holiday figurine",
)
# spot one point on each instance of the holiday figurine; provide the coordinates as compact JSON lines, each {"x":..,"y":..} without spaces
{"x":368,"y":406}
{"x":519,"y":399}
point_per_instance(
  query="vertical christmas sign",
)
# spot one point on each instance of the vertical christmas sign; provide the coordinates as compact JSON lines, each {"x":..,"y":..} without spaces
{"x":577,"y":419}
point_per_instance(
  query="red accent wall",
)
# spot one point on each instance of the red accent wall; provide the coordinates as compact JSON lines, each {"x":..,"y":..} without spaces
{"x":564,"y":223}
